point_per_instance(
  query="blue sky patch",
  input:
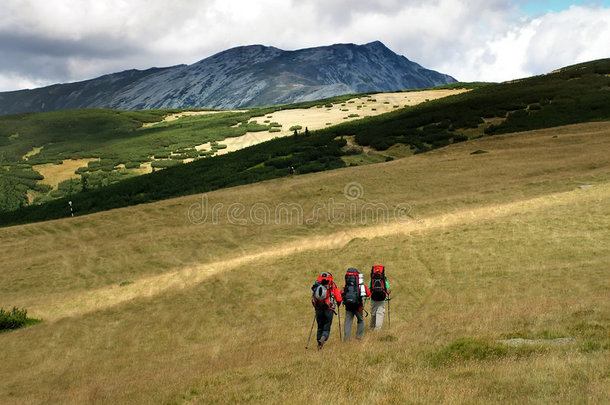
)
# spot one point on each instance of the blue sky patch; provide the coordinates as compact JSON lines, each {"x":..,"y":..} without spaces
{"x":539,"y":7}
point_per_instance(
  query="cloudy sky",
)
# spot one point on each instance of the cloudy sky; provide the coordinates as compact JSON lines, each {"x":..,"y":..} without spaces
{"x":51,"y":41}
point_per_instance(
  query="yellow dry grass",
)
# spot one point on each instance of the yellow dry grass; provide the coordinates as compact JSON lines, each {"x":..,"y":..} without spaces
{"x":494,"y":246}
{"x":55,"y":174}
{"x":317,"y":118}
{"x":33,"y":152}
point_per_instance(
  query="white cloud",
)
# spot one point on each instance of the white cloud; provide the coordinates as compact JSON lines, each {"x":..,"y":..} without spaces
{"x":14,"y":81}
{"x":45,"y":41}
{"x":576,"y":35}
{"x":536,"y":46}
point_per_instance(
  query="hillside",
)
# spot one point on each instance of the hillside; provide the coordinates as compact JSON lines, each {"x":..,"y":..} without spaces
{"x":241,"y":77}
{"x":570,"y":95}
{"x":57,"y":154}
{"x":157,"y":304}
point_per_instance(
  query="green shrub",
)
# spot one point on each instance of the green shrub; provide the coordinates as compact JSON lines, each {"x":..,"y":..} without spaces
{"x":108,"y":165}
{"x":295,"y":128}
{"x":25,"y":174}
{"x":253,"y":126}
{"x":16,"y":318}
{"x":275,"y":130}
{"x":94,"y":165}
{"x":43,"y":188}
{"x":162,"y":164}
{"x":353,"y":150}
{"x":467,"y":349}
{"x":534,"y":107}
{"x":132,"y":165}
{"x":69,"y":186}
{"x":388,"y":338}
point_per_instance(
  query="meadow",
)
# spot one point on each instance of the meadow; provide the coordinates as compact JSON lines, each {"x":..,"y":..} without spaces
{"x":157,"y":303}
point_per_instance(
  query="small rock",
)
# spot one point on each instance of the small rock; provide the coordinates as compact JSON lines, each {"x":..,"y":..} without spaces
{"x":521,"y":341}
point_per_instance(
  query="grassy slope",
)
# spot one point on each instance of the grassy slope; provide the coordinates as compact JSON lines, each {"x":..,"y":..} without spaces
{"x":480,"y":261}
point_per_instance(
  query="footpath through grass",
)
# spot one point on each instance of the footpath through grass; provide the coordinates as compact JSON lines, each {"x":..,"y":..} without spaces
{"x":458,"y":291}
{"x":460,"y":288}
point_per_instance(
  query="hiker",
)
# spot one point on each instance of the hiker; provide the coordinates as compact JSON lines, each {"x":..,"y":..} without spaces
{"x":291,"y":170}
{"x":353,"y":295}
{"x":326,"y":299}
{"x":380,"y":291}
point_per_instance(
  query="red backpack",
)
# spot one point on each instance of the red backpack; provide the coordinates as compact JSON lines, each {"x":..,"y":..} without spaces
{"x":378,"y":279}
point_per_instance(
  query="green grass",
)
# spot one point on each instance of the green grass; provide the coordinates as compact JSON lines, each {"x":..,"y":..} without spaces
{"x":34,"y":139}
{"x":15,"y":319}
{"x":364,"y":159}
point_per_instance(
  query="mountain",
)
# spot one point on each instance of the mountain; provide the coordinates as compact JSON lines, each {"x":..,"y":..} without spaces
{"x":245,"y":76}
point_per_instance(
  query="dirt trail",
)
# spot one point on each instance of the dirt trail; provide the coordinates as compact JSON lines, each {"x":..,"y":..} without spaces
{"x":107,"y":297}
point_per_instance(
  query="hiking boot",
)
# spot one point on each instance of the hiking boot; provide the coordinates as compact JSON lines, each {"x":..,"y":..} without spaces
{"x":321,"y":342}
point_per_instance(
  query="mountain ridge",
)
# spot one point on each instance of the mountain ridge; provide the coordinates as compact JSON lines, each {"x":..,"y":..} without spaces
{"x":239,"y":77}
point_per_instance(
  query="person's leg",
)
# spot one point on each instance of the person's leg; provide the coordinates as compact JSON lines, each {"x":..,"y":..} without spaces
{"x":377,"y":312}
{"x":380,"y":315}
{"x":360,"y":328}
{"x":321,"y":320}
{"x":349,"y":320}
{"x":373,"y":309}
{"x":328,"y":321}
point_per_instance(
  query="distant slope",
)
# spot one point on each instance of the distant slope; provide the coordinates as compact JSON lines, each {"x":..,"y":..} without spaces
{"x":572,"y":95}
{"x":240,"y":77}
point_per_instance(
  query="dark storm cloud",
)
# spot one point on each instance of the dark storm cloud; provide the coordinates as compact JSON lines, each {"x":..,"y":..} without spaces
{"x":55,"y":58}
{"x":92,"y":45}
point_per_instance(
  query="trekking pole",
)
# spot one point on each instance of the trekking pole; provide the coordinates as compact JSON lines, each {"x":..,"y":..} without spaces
{"x":389,"y":318}
{"x":310,"y":331}
{"x":339,"y":315}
